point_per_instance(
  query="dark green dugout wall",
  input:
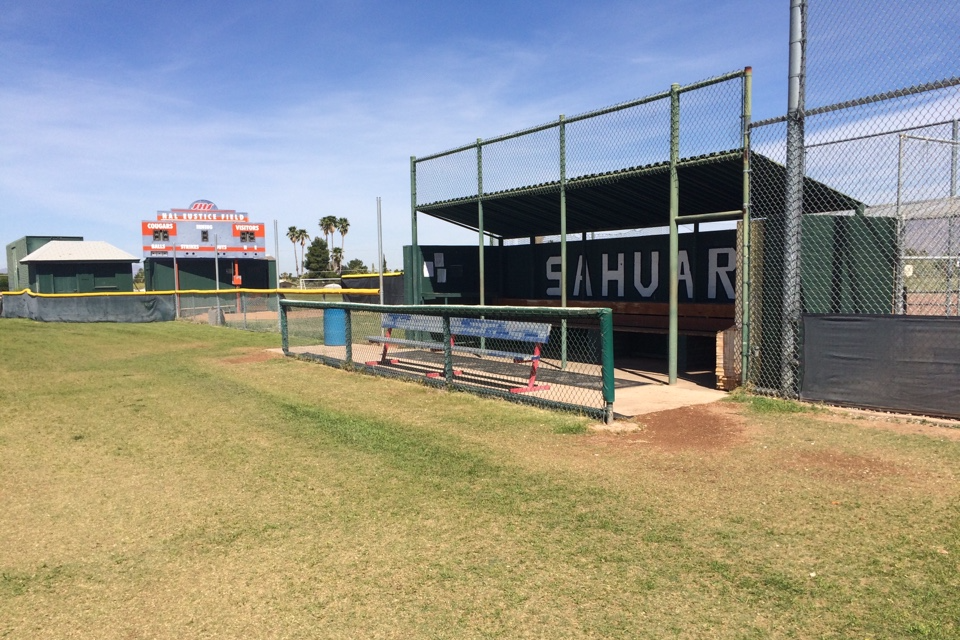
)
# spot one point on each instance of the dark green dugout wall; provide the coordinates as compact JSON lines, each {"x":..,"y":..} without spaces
{"x":633,"y":269}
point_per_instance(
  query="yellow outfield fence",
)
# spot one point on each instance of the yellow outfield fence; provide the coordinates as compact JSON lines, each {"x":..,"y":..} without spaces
{"x":250,"y":309}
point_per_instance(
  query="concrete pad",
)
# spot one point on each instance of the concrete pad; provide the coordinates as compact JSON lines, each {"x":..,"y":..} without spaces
{"x":651,"y":393}
{"x":647,"y":390}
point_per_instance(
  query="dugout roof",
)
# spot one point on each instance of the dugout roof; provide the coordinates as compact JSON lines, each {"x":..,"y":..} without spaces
{"x":634,"y":198}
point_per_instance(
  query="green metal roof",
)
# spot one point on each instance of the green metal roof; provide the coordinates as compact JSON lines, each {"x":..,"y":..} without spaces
{"x":636,"y":197}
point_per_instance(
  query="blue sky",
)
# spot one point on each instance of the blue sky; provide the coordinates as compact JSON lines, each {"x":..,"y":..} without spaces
{"x":290,"y":110}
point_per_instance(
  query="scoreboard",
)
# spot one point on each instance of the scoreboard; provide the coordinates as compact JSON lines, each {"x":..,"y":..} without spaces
{"x":203,"y":231}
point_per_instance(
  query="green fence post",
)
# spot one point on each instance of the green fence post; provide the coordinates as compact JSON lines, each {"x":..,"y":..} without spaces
{"x":483,"y":269}
{"x":348,"y":336}
{"x":745,"y":232}
{"x":447,"y":352}
{"x":416,"y":272}
{"x":563,"y":238}
{"x":483,"y":275}
{"x":284,"y":335}
{"x":607,"y":362}
{"x":674,"y":239}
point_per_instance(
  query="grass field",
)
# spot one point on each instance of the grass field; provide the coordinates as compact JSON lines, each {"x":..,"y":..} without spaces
{"x":173,"y":481}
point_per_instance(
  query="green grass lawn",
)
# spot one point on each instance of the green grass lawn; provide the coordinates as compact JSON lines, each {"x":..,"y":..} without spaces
{"x":172,"y":481}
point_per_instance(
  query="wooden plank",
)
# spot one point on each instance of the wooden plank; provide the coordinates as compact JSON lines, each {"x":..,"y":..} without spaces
{"x":688,"y":309}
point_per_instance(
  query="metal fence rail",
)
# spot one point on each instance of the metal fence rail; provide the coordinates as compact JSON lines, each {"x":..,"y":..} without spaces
{"x":548,"y":357}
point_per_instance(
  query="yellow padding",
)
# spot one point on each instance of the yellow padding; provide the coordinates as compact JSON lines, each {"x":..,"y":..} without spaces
{"x":309,"y":292}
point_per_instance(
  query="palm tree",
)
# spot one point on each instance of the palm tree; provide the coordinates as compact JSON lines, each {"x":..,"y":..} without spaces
{"x":336,"y":257}
{"x":302,"y":238}
{"x":328,"y":224}
{"x":293,"y":236}
{"x":343,"y":225}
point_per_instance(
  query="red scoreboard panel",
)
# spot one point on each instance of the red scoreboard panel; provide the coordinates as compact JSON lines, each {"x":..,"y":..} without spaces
{"x":203,"y":231}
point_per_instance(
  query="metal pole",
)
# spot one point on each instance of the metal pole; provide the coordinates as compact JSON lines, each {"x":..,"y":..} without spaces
{"x":900,"y":288}
{"x":953,"y":158}
{"x":483,"y":275}
{"x":176,"y":281}
{"x":745,"y":232}
{"x":793,"y":201}
{"x":673,"y":335}
{"x":952,"y":266}
{"x":216,"y":271}
{"x":415,"y":262}
{"x":276,"y":251}
{"x":380,"y":248}
{"x":563,"y":238}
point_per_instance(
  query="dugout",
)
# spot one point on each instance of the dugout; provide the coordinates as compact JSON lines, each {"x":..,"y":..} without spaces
{"x":643,"y":207}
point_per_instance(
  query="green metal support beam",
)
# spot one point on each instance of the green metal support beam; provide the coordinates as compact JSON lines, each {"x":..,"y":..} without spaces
{"x":563,"y":238}
{"x":673,"y":331}
{"x":710,"y":217}
{"x":483,"y":275}
{"x":415,"y":251}
{"x":745,"y":231}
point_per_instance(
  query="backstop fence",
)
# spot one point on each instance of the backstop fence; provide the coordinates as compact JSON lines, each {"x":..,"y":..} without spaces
{"x":548,"y":357}
{"x":892,"y":250}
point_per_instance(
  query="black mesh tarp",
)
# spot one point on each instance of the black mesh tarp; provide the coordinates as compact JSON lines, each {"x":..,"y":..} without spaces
{"x":146,"y":308}
{"x":392,"y":288}
{"x":899,"y":363}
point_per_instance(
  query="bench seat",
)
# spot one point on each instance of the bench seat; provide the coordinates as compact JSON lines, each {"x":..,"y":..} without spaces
{"x":518,"y":331}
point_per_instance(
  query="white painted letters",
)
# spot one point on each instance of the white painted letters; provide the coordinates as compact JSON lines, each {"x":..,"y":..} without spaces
{"x":684,"y":274}
{"x":649,"y":290}
{"x":614,"y":275}
{"x":583,"y":271}
{"x":721,"y":273}
{"x":553,"y":274}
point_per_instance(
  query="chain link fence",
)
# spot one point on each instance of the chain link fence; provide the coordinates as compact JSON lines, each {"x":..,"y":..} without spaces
{"x":604,"y":145}
{"x":553,"y":358}
{"x":872,"y":227}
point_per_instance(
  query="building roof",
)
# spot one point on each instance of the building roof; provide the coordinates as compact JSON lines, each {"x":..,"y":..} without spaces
{"x":73,"y":251}
{"x":635,"y":197}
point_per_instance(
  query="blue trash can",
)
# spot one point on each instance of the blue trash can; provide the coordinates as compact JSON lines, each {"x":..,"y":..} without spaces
{"x":334,"y":327}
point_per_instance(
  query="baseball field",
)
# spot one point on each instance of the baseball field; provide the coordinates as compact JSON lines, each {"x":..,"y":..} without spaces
{"x":180,"y":481}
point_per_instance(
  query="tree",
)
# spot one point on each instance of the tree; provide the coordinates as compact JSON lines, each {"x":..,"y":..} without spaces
{"x":317,"y":259}
{"x":138,"y":279}
{"x":356,"y":266}
{"x":302,"y":238}
{"x":343,"y":225}
{"x":328,"y":224}
{"x":292,"y":235}
{"x":337,"y":258}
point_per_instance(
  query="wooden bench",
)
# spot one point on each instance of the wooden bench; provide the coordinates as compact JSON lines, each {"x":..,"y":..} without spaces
{"x":693,"y":318}
{"x":537,"y":333}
